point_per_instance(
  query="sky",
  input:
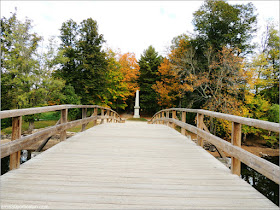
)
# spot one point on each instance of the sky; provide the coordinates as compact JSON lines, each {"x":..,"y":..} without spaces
{"x":127,"y":26}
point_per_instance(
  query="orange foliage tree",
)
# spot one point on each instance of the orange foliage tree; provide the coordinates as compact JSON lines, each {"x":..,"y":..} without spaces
{"x":169,"y":88}
{"x":130,"y":70}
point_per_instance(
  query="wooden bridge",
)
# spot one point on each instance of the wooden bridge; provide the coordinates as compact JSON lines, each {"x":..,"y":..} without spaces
{"x":132,"y":165}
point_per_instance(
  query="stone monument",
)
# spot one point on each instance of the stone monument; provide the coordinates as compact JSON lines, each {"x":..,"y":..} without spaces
{"x":136,"y":107}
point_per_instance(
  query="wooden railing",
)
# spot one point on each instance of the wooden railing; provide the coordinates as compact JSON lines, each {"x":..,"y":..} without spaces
{"x":234,"y":149}
{"x":14,"y":147}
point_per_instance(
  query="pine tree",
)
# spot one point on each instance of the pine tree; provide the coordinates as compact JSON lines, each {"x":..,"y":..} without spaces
{"x":149,"y":63}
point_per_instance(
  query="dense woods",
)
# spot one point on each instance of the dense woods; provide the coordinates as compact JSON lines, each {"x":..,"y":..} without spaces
{"x":217,"y":68}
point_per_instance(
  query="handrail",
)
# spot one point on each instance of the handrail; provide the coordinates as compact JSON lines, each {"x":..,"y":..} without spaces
{"x":36,"y":110}
{"x":18,"y":143}
{"x":238,"y":154}
{"x":271,"y":126}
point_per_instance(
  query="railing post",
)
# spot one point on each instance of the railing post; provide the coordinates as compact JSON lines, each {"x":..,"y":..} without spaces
{"x":63,"y":119}
{"x":16,"y":134}
{"x":183,"y":131}
{"x":199,"y":125}
{"x":236,"y":141}
{"x":95,"y":111}
{"x":167,"y":116}
{"x":108,"y":115}
{"x":84,"y":115}
{"x":162,"y":115}
{"x":173,"y":117}
{"x":102,"y":115}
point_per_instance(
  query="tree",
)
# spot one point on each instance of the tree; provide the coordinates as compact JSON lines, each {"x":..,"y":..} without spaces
{"x":86,"y":64}
{"x":130,"y":71}
{"x":116,"y":91}
{"x":149,"y":62}
{"x":19,"y":65}
{"x":269,"y":71}
{"x":169,"y":88}
{"x":93,"y":64}
{"x":221,"y":24}
{"x":26,"y":76}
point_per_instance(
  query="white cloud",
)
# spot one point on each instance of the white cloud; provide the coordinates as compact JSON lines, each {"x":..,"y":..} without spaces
{"x":130,"y":26}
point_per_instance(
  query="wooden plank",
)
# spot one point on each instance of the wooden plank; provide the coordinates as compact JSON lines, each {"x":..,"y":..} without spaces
{"x":173,"y":117}
{"x":183,"y":131}
{"x":19,"y":144}
{"x":95,"y":112}
{"x":222,"y":154}
{"x":199,"y":123}
{"x":63,"y":119}
{"x":29,"y":111}
{"x":43,"y":144}
{"x":125,"y":166}
{"x":84,"y":115}
{"x":261,"y":165}
{"x":271,"y":126}
{"x":16,"y":134}
{"x":102,"y":115}
{"x":21,"y":112}
{"x":236,"y":141}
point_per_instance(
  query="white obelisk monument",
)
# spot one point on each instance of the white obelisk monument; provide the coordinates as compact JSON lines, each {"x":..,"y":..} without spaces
{"x":136,"y":107}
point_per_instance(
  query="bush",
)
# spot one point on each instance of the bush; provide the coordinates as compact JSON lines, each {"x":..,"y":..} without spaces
{"x":273,"y":113}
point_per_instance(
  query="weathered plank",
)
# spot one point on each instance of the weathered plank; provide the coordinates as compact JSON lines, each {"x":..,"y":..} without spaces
{"x":127,"y":166}
{"x":271,"y":126}
{"x":261,"y":165}
{"x":236,"y":141}
{"x":16,"y":134}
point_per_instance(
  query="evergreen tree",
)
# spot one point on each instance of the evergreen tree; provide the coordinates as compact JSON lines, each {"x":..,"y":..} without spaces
{"x":86,"y":64}
{"x":93,"y":63}
{"x":149,"y":63}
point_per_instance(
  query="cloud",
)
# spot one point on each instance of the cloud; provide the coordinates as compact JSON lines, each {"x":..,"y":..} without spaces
{"x":127,"y":25}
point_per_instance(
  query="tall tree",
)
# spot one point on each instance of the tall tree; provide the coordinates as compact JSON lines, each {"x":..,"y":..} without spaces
{"x":269,"y":71}
{"x":86,"y":64}
{"x":116,"y":91}
{"x":68,"y":48}
{"x":220,"y":24}
{"x":169,"y":88}
{"x":149,"y":63}
{"x":93,"y":66}
{"x":130,"y":70}
{"x":19,"y":68}
{"x":26,"y":76}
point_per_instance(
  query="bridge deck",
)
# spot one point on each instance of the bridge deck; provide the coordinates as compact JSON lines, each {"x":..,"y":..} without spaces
{"x":127,"y":166}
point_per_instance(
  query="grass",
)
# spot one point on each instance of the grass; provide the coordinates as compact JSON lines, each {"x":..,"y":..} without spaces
{"x":46,"y":119}
{"x":137,"y":119}
{"x":25,"y":125}
{"x":50,"y":116}
{"x":79,"y":128}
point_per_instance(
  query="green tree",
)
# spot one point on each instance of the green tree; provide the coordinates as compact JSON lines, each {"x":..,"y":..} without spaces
{"x":116,"y":91}
{"x":86,"y":64}
{"x":220,"y":24}
{"x":26,"y":76}
{"x":20,"y":67}
{"x":149,"y":63}
{"x":270,"y":71}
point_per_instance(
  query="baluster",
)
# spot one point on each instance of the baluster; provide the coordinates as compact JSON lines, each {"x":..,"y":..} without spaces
{"x":84,"y":115}
{"x":63,"y":119}
{"x":236,"y":141}
{"x":174,"y":117}
{"x":16,"y":134}
{"x":102,"y":115}
{"x":200,"y":125}
{"x":183,"y":131}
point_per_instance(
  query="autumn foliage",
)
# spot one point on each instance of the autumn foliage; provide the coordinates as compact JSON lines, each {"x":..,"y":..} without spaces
{"x":130,"y":70}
